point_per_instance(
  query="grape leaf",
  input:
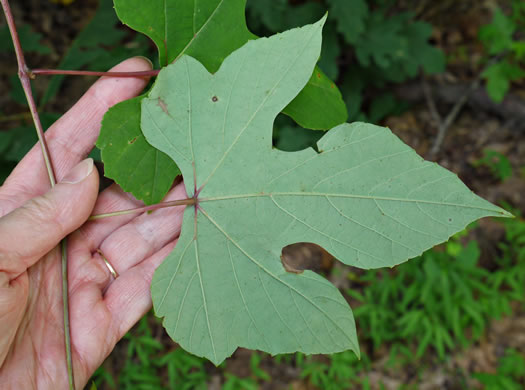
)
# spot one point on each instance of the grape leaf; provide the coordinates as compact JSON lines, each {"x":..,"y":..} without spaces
{"x":366,"y":197}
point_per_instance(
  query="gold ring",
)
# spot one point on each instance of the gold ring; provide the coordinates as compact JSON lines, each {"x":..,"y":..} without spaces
{"x":111,"y":269}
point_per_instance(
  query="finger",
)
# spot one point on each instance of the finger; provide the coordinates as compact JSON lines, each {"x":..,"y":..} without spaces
{"x":144,"y":235}
{"x":31,"y":231}
{"x":111,"y":199}
{"x":85,"y":267}
{"x":85,"y":264}
{"x":128,"y":298}
{"x":111,"y":315}
{"x":73,"y":136}
{"x":89,"y":237}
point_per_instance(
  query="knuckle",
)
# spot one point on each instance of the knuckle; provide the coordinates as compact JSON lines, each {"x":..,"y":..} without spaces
{"x":7,"y":204}
{"x":44,"y":211}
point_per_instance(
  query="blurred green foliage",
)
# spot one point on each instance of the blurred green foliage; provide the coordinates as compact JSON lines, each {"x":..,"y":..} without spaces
{"x":435,"y":300}
{"x":367,"y":46}
{"x":98,"y":46}
{"x":503,"y":40}
{"x":497,"y":162}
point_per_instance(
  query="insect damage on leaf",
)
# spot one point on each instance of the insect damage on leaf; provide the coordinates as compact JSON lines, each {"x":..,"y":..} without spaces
{"x":368,"y":199}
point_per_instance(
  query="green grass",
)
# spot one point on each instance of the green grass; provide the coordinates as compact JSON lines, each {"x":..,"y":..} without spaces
{"x":442,"y":300}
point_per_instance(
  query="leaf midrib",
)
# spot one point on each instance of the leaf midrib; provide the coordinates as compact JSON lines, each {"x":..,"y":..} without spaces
{"x":331,"y":195}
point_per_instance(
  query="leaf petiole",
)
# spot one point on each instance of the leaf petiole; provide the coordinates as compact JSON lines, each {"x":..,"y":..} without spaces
{"x":158,"y":206}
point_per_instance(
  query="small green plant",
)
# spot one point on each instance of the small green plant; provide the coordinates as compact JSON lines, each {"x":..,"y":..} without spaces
{"x":510,"y":374}
{"x":503,"y":40}
{"x":510,"y":273}
{"x":233,"y":382}
{"x":339,"y":371}
{"x":432,"y":301}
{"x":497,"y":162}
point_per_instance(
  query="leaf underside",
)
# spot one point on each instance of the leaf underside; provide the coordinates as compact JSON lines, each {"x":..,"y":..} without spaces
{"x":367,"y":198}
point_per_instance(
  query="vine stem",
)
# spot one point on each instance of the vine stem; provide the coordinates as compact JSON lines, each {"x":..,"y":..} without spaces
{"x":25,"y":79}
{"x":146,"y":73}
{"x":23,"y":74}
{"x":158,"y":206}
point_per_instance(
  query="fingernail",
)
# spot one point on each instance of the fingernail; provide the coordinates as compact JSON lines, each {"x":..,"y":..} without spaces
{"x":146,"y":59}
{"x":79,"y":172}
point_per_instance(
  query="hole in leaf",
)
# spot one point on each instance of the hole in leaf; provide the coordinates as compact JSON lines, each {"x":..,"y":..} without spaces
{"x":215,"y":99}
{"x":302,"y":256}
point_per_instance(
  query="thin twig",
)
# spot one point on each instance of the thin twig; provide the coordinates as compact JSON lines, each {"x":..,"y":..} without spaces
{"x":430,"y":102}
{"x":452,"y":115}
{"x":146,"y":73}
{"x":158,"y":206}
{"x":23,"y":74}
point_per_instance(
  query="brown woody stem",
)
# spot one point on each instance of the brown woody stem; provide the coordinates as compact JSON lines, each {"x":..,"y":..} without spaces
{"x":158,"y":206}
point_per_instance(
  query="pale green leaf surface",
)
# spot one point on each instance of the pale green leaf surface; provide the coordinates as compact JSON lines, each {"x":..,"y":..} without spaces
{"x":128,"y":157}
{"x":367,"y":198}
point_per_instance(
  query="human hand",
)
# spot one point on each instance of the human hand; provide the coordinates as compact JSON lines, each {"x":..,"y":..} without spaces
{"x":34,"y":219}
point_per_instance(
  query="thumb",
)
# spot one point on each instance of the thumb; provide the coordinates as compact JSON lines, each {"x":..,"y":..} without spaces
{"x":31,"y":231}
